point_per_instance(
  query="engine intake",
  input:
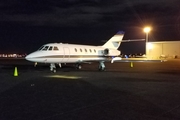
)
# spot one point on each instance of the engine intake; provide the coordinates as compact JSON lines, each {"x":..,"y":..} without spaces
{"x":106,"y":51}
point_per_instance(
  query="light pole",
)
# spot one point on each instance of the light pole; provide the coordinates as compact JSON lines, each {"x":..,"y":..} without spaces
{"x":147,"y":30}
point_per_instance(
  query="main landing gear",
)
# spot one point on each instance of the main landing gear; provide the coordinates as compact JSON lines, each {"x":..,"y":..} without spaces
{"x":101,"y":66}
{"x":78,"y":66}
{"x":53,"y":67}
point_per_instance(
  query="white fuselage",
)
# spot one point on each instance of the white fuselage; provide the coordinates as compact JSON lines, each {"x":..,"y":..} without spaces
{"x":71,"y":53}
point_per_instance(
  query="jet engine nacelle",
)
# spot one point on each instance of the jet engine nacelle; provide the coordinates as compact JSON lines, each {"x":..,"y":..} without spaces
{"x":111,"y":52}
{"x":106,"y":52}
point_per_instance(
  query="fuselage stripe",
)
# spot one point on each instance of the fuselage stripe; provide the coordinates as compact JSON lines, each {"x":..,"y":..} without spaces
{"x":73,"y":56}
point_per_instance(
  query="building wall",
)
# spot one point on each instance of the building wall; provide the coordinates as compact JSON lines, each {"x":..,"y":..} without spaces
{"x":167,"y":49}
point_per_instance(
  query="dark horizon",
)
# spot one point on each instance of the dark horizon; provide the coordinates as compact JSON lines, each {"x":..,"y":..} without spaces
{"x":27,"y":25}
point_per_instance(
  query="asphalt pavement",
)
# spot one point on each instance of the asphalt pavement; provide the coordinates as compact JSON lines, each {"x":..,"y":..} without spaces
{"x":125,"y":91}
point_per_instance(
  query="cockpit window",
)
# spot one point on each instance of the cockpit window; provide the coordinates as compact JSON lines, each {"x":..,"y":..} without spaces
{"x":50,"y":48}
{"x":41,"y":47}
{"x":55,"y":48}
{"x":45,"y":48}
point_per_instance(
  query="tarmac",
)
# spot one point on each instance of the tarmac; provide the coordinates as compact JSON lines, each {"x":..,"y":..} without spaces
{"x":125,"y":91}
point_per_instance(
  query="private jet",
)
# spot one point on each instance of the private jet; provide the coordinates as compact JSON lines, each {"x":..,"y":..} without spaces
{"x":58,"y":53}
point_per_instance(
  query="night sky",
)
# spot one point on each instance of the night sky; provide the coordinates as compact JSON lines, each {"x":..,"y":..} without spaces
{"x":25,"y":25}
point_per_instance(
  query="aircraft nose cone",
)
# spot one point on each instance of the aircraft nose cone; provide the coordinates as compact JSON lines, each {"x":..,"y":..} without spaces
{"x":27,"y":57}
{"x":30,"y":57}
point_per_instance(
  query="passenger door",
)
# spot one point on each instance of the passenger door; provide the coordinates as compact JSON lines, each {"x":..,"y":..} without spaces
{"x":66,"y":54}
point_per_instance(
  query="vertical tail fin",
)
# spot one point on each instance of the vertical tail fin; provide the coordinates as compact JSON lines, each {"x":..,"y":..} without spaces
{"x":115,"y":41}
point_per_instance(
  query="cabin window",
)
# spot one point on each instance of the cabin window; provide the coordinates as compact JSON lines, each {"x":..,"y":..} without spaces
{"x":81,"y":50}
{"x":50,"y":48}
{"x":85,"y":50}
{"x":94,"y":50}
{"x":55,"y":48}
{"x":90,"y":50}
{"x":45,"y":48}
{"x":75,"y":49}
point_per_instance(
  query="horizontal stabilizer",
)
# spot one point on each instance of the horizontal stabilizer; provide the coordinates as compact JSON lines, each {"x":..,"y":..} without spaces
{"x":116,"y":59}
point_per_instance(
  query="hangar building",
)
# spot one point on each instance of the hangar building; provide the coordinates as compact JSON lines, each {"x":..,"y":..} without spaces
{"x":163,"y":49}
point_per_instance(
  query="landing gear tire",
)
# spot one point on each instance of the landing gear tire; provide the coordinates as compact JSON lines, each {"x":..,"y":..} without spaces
{"x":101,"y":68}
{"x":78,"y":66}
{"x":54,"y":70}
